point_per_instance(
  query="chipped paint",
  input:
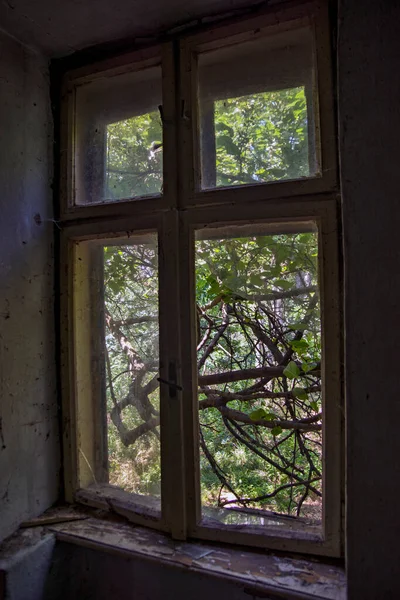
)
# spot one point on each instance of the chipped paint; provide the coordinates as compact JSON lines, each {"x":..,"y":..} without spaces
{"x":266,"y":571}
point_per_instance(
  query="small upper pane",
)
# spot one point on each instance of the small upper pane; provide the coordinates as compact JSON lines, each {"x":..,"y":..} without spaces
{"x":257,"y":112}
{"x":118,"y":138}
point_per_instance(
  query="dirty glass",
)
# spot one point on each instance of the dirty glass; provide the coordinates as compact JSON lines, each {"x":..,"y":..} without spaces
{"x":118,"y":138}
{"x":256,"y":105}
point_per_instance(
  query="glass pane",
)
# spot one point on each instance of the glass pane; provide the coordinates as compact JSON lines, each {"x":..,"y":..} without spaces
{"x":119,"y":138}
{"x":131,"y":365}
{"x":256,"y":111}
{"x":134,"y":157}
{"x":259,"y":376}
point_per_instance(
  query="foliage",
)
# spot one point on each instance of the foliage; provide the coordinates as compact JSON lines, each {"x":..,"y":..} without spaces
{"x":132,"y":167}
{"x":259,"y":343}
{"x":261,"y":137}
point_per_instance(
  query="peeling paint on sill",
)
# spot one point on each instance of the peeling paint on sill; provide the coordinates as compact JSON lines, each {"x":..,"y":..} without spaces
{"x":262,"y":573}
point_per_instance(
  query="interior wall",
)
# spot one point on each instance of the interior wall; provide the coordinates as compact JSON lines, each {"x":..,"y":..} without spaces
{"x":29,"y":441}
{"x":369,"y":116}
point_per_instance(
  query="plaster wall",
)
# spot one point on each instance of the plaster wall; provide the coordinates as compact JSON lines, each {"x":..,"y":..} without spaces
{"x":29,"y":440}
{"x":369,"y":118}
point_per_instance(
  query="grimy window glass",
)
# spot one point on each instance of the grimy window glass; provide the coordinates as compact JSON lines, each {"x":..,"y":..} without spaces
{"x":118,"y":138}
{"x":256,"y":105}
{"x":259,"y":376}
{"x":120,"y":310}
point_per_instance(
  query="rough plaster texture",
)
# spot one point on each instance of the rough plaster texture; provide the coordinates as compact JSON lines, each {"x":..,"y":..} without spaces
{"x":369,"y":92}
{"x":29,"y":444}
{"x":59,"y":28}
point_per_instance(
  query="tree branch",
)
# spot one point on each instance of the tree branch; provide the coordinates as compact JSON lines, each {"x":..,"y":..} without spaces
{"x":243,"y":374}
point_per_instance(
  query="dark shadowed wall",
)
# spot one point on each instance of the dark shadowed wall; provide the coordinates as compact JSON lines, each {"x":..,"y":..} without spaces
{"x":369,"y":116}
{"x":29,"y":445}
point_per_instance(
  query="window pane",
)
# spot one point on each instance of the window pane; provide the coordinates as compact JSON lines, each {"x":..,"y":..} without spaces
{"x":119,"y":138}
{"x":259,"y":376}
{"x":123,"y":327}
{"x":256,"y":111}
{"x":131,"y":346}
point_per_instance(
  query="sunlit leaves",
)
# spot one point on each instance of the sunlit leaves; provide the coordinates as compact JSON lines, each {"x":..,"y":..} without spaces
{"x":260,"y":414}
{"x":276,"y":430}
{"x":300,"y":346}
{"x":255,"y":289}
{"x":291,"y":371}
{"x":133,"y":168}
{"x":300,"y":393}
{"x":261,"y":137}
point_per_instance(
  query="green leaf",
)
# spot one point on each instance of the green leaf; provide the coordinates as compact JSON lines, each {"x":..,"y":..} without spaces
{"x":256,"y":280}
{"x":276,"y":430}
{"x":291,"y":371}
{"x":286,"y":285}
{"x":298,"y":326}
{"x":215,"y":288}
{"x":224,"y":127}
{"x":270,"y":416}
{"x":261,"y":415}
{"x":226,"y":142}
{"x":299,"y":345}
{"x":257,"y":415}
{"x":306,"y":367}
{"x":300,"y":393}
{"x":314,"y":405}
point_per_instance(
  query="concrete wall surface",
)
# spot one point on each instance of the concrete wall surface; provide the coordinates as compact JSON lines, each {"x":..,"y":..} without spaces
{"x":369,"y":118}
{"x":29,"y":440}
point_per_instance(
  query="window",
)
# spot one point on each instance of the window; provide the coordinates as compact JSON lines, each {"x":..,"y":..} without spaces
{"x":257,"y":110}
{"x":118,"y":143}
{"x":200,"y":305}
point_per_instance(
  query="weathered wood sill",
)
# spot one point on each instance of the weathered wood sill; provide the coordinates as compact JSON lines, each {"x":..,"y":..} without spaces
{"x":260,"y":574}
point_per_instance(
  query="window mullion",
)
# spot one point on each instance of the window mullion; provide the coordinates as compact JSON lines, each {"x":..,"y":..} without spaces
{"x":172,"y":447}
{"x":188,"y":322}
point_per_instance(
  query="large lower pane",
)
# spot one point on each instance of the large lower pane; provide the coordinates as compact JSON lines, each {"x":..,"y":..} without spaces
{"x":259,"y":376}
{"x":132,"y":363}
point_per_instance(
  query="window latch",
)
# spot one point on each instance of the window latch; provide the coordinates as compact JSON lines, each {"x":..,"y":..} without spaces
{"x":171,"y":382}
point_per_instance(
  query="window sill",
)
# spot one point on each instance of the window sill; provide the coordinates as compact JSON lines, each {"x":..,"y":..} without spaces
{"x":257,"y":573}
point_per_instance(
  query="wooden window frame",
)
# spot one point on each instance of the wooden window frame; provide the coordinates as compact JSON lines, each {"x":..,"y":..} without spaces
{"x":174,"y":215}
{"x":292,"y":16}
{"x":161,"y":55}
{"x":323,"y":211}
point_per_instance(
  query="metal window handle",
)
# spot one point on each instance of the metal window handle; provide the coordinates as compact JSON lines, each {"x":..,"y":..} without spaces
{"x":170,"y":384}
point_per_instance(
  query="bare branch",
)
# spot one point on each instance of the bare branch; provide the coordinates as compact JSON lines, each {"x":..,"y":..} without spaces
{"x":245,"y":374}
